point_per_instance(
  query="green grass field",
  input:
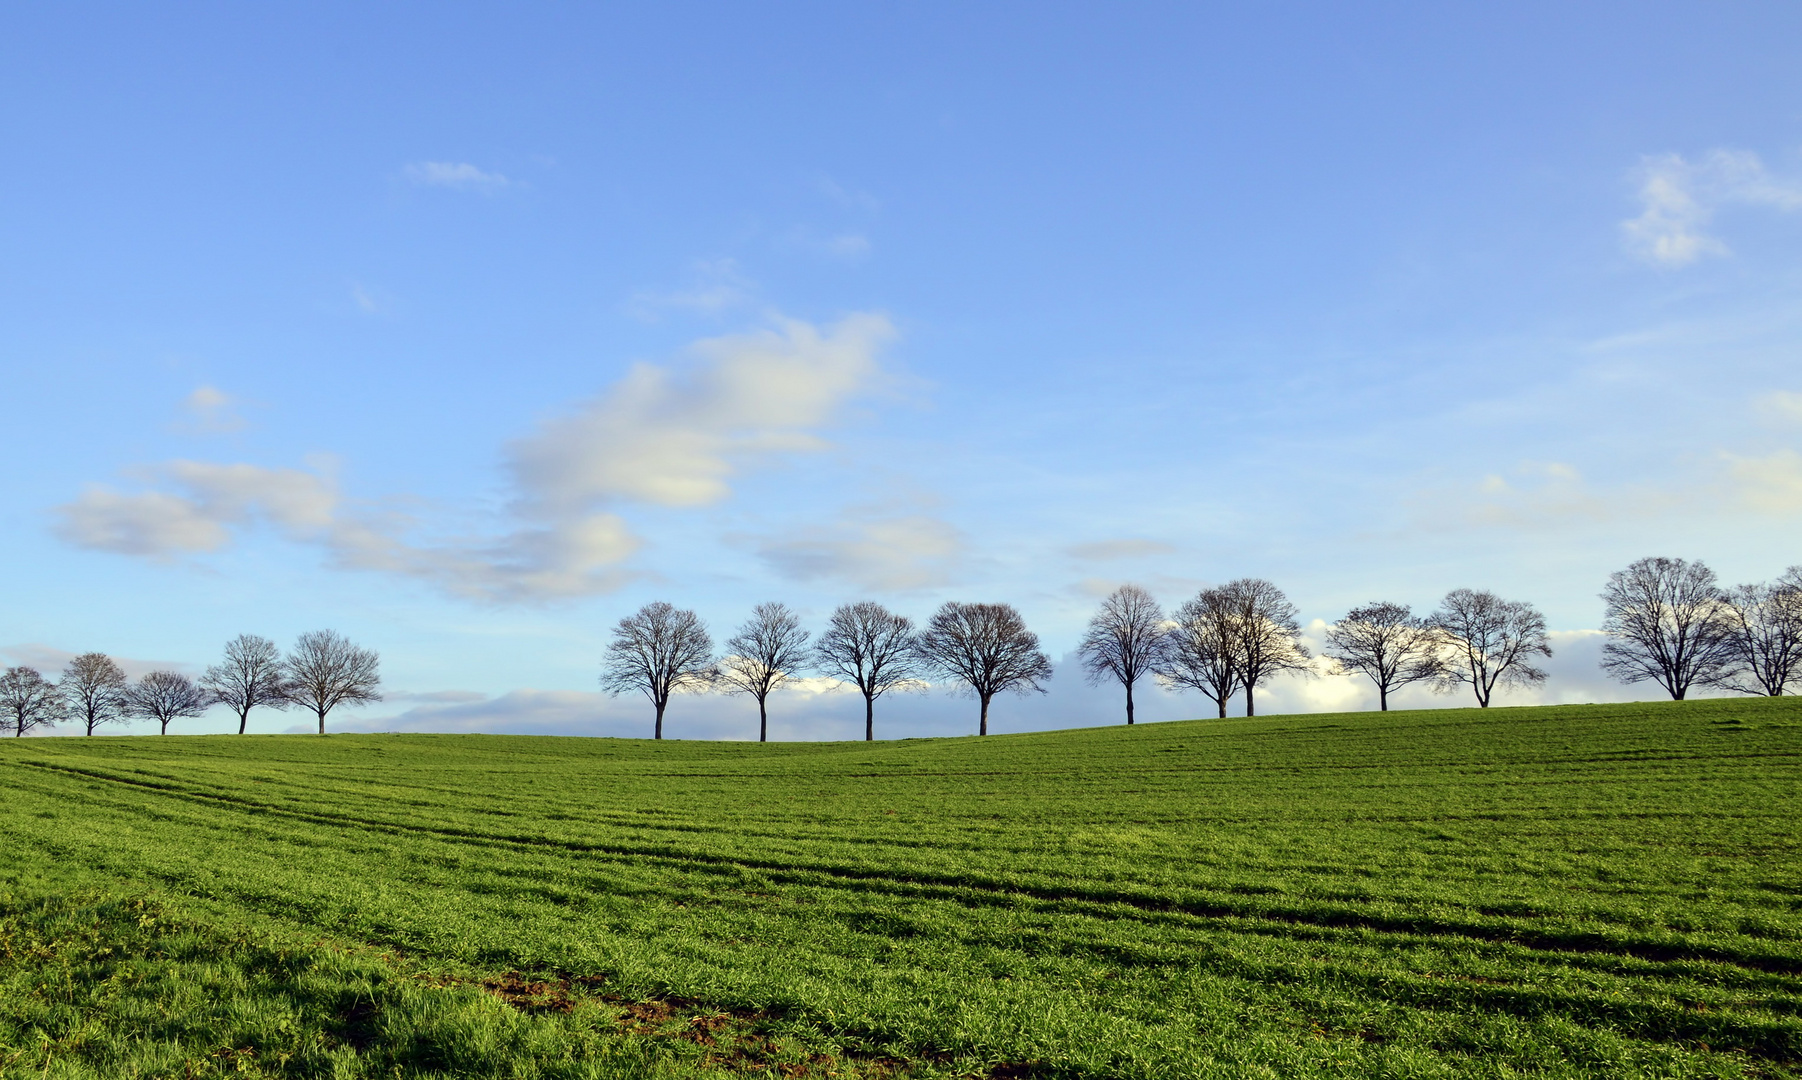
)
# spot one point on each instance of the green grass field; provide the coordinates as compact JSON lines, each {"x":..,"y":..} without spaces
{"x":1567,"y":891}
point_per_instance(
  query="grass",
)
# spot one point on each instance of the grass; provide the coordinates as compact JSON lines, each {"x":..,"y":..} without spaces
{"x":1566,"y":891}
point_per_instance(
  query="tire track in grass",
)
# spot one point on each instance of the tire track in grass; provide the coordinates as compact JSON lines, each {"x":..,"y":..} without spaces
{"x":970,"y":889}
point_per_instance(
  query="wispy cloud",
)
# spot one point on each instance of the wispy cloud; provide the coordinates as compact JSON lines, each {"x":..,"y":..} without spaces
{"x":848,"y":197}
{"x":873,"y":547}
{"x":1780,"y":408}
{"x":210,"y":411}
{"x":839,"y":247}
{"x":665,"y":436}
{"x":458,"y":176}
{"x":1771,"y":483}
{"x":1128,"y":548}
{"x":1679,"y":198}
{"x":50,"y":660}
{"x":718,"y":286}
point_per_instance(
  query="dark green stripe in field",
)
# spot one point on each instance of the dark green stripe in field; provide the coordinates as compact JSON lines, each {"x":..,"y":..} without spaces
{"x":1572,"y":891}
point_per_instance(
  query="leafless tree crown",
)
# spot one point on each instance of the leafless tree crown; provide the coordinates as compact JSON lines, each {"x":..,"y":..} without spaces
{"x":1765,"y":627}
{"x":30,"y":700}
{"x":164,"y":696}
{"x":987,"y":648}
{"x":767,"y":651}
{"x":1489,"y":642}
{"x":1389,"y":644}
{"x":1668,"y":624}
{"x":1266,"y":635}
{"x":872,"y":648}
{"x":1200,"y":650}
{"x":325,"y":671}
{"x":1126,"y":640}
{"x":658,"y":651}
{"x":96,"y":691}
{"x":251,"y":675}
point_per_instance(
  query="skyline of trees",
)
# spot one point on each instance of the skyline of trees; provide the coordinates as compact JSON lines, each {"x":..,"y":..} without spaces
{"x":1667,"y":620}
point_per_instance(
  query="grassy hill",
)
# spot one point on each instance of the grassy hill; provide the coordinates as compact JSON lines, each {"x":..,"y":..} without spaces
{"x":1610,"y":890}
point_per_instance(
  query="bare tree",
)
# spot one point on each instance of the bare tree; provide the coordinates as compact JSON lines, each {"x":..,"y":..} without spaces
{"x":1388,"y":643}
{"x":325,"y":671}
{"x":659,"y":651}
{"x":1765,"y":624}
{"x":250,"y":675}
{"x":871,"y":647}
{"x":1126,"y":640}
{"x":1200,"y":650}
{"x":1490,"y":642}
{"x":1265,"y":635}
{"x":167,"y":695}
{"x":30,"y":701}
{"x":765,"y":653}
{"x":987,"y":648}
{"x":96,"y":691}
{"x":1668,"y":624}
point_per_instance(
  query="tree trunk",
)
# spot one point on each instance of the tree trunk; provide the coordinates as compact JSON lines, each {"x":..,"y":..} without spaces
{"x":321,"y":713}
{"x":659,"y":734}
{"x":1129,"y":704}
{"x":984,"y":730}
{"x":1221,"y":701}
{"x":1250,"y":709}
{"x":1383,"y":697}
{"x":165,"y":730}
{"x":243,"y":719}
{"x":869,"y":718}
{"x":763,"y":722}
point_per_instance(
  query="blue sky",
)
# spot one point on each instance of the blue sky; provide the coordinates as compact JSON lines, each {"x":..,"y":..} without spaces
{"x":467,"y":329}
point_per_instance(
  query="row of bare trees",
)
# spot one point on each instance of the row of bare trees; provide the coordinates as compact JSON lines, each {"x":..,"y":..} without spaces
{"x":1236,"y":637}
{"x":1668,"y":621}
{"x":662,"y":650}
{"x":1671,"y":622}
{"x":323,"y":671}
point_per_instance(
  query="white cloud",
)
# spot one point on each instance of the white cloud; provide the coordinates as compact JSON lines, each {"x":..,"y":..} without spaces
{"x":1679,"y":199}
{"x":1772,"y":483}
{"x":155,"y":524}
{"x":676,"y":438}
{"x":871,"y":549}
{"x":50,"y":661}
{"x":850,"y":198}
{"x":210,"y":411}
{"x":1780,"y":407}
{"x":668,"y":437}
{"x":843,"y":247}
{"x":459,"y":176}
{"x":718,"y":286}
{"x":1129,"y":548}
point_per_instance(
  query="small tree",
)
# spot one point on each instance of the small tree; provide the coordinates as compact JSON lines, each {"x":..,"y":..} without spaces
{"x":871,"y":647}
{"x":1264,"y":634}
{"x":659,"y":651}
{"x":29,"y":700}
{"x":325,"y":671}
{"x":1200,"y":652}
{"x":1389,"y":644}
{"x":765,"y":653}
{"x":250,"y":675}
{"x":1765,"y":629}
{"x":1490,"y":642}
{"x":987,"y":648}
{"x":1669,"y":625}
{"x":96,"y":691}
{"x":1126,"y":640}
{"x":167,"y":695}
